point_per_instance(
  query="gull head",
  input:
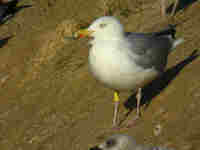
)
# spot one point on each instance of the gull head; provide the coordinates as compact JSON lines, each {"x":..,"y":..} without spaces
{"x":117,"y":142}
{"x":103,"y":28}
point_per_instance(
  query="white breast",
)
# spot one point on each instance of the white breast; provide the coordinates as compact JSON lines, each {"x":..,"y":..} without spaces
{"x":116,"y":68}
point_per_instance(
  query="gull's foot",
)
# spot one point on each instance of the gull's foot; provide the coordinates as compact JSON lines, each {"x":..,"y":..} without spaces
{"x":115,"y":127}
{"x":128,"y":125}
{"x":118,"y":128}
{"x":132,"y":122}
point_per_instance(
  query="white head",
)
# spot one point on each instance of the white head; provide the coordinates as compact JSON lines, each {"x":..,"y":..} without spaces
{"x":104,"y":28}
{"x":117,"y":142}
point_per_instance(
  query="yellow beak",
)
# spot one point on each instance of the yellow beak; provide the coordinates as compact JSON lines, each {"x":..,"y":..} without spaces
{"x":83,"y":33}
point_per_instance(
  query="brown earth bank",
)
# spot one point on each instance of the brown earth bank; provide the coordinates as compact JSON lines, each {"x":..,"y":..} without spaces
{"x":49,"y":100}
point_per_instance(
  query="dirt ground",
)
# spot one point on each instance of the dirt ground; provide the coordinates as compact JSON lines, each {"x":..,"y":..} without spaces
{"x":49,"y":100}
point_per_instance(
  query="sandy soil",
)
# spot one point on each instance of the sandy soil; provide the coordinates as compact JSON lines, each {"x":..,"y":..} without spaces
{"x":49,"y":100}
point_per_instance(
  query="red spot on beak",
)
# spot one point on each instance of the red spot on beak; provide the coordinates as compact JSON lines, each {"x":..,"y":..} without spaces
{"x":81,"y":35}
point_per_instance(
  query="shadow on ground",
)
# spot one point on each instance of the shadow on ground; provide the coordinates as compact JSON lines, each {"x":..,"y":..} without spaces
{"x":159,"y":84}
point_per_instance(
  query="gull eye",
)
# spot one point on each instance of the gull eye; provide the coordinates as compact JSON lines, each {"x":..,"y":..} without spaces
{"x":110,"y":143}
{"x":102,"y":25}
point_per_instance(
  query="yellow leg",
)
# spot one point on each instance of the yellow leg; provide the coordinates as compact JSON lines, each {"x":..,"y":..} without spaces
{"x":116,"y":100}
{"x":116,"y":96}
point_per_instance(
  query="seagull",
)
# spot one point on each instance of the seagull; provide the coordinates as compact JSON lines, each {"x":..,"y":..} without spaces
{"x":126,"y":61}
{"x":124,"y":142}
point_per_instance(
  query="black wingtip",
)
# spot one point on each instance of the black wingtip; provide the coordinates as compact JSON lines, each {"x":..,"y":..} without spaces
{"x":170,"y":30}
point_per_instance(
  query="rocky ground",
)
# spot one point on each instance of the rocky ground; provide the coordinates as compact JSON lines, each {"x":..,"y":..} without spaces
{"x":49,"y":100}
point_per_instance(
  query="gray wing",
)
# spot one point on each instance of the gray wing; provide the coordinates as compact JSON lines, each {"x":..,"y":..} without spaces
{"x":152,"y":48}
